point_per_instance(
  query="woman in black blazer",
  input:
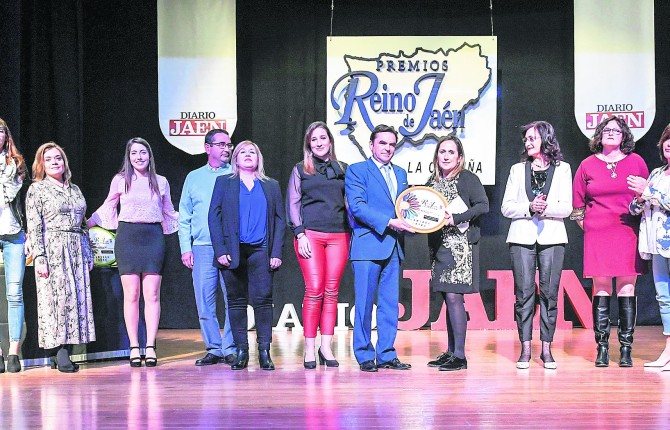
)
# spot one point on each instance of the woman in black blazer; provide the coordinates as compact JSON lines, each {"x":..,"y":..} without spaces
{"x":246,"y":223}
{"x":454,"y":249}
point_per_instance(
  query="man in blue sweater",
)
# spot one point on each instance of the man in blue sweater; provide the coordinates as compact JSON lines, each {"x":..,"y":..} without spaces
{"x":196,"y":247}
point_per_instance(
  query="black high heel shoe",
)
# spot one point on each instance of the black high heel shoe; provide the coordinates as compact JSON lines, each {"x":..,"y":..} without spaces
{"x":309,"y":364}
{"x":135,"y":361}
{"x":65,"y":368}
{"x":150,"y":361}
{"x":328,"y":363}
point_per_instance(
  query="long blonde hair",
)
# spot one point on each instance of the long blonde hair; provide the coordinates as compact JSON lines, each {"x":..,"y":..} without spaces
{"x":308,"y":158}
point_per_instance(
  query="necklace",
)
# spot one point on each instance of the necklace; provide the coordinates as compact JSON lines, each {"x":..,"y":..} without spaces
{"x":539,"y":164}
{"x":612,"y":167}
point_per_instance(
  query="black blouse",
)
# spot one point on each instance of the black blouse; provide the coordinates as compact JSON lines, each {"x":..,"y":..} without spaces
{"x":316,"y":202}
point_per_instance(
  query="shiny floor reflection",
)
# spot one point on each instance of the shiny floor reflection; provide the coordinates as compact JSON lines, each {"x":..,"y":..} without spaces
{"x":491,"y":393}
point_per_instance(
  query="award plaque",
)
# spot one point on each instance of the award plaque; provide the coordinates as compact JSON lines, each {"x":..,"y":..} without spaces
{"x":421,"y":207}
{"x":102,"y":245}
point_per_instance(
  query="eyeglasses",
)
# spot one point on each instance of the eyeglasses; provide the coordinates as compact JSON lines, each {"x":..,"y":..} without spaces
{"x":614,"y":131}
{"x":531,"y":139}
{"x":222,"y":144}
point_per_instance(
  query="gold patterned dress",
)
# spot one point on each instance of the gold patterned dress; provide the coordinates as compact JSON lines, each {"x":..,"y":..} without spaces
{"x":56,"y":230}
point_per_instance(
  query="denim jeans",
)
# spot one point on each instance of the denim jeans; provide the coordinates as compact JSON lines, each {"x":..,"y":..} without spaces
{"x":661,"y":269}
{"x":206,"y":281}
{"x":15,"y":266}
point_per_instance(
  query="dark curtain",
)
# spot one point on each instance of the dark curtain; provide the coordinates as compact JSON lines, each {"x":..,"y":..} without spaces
{"x":84,"y":74}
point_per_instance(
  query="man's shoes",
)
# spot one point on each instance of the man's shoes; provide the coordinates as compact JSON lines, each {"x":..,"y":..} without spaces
{"x":395,"y":364}
{"x":368,"y":366}
{"x":455,"y":364}
{"x":230,"y":359}
{"x":209,"y":359}
{"x":441,"y":359}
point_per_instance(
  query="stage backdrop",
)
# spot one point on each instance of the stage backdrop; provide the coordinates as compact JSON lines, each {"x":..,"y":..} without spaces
{"x":425,"y":87}
{"x":85,"y":75}
{"x":197,"y":85}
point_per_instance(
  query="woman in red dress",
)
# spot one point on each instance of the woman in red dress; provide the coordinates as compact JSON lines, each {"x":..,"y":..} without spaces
{"x":604,"y":185}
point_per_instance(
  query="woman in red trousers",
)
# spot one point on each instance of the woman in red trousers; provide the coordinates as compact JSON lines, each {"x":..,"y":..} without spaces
{"x":318,"y":218}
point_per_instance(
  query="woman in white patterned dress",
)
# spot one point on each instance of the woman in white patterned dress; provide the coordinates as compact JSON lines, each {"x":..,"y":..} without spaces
{"x":55,"y":209}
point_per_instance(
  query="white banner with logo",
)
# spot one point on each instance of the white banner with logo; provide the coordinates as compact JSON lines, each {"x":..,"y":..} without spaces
{"x":615,"y":71}
{"x":197,"y":71}
{"x":425,"y":87}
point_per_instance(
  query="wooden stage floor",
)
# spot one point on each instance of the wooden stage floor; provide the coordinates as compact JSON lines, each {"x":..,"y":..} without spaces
{"x":491,"y":393}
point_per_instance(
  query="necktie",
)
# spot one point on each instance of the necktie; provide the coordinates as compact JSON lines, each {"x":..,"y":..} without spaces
{"x":389,"y":180}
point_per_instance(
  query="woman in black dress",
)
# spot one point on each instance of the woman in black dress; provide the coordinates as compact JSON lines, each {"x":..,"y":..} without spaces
{"x":454,"y":248}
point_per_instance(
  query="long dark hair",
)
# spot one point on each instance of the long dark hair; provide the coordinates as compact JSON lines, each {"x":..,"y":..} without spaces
{"x":127,"y":171}
{"x":13,"y":154}
{"x":549,"y":146}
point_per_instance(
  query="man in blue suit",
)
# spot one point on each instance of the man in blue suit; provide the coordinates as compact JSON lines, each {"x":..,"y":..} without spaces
{"x":372,"y":187}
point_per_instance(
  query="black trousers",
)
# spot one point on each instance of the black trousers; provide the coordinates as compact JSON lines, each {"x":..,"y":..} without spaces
{"x":548,"y":259}
{"x":250,"y":283}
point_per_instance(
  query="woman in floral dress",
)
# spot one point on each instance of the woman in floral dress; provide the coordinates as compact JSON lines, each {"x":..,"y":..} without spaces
{"x":55,"y":209}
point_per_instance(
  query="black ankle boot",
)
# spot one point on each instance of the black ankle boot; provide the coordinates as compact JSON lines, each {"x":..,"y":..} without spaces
{"x":601,"y":329}
{"x":2,"y":364}
{"x":265,"y":360}
{"x":63,"y":363}
{"x":627,"y":317}
{"x":242,"y":360}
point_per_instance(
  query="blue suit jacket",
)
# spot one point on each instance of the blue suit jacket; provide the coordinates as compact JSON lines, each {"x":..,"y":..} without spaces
{"x":372,"y":207}
{"x":224,"y":219}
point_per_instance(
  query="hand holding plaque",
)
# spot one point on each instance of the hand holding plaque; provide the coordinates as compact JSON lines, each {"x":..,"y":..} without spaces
{"x":423,"y":208}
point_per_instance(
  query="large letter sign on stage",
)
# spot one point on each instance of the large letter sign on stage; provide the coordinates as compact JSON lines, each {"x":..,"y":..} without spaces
{"x":614,"y":64}
{"x":426,"y":87}
{"x":197,"y":72}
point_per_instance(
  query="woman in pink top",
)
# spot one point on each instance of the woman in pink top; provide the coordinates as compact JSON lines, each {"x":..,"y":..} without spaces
{"x":146,"y":215}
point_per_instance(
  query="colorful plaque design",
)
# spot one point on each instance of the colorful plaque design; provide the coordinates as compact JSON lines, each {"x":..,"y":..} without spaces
{"x":421,"y":207}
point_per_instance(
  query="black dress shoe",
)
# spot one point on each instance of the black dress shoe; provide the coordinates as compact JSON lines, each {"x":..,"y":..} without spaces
{"x":441,"y":359}
{"x":368,"y":366}
{"x":395,"y":364}
{"x":208,"y":360}
{"x":455,"y":364}
{"x":230,"y":359}
{"x":242,"y":360}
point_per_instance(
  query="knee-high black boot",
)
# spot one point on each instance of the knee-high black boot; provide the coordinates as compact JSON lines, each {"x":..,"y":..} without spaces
{"x":601,"y":329}
{"x":627,"y":317}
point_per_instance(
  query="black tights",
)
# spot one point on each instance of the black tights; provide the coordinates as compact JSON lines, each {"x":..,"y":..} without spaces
{"x":457,"y":323}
